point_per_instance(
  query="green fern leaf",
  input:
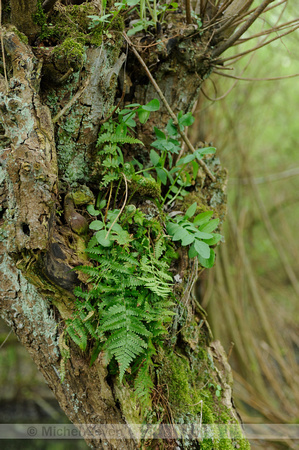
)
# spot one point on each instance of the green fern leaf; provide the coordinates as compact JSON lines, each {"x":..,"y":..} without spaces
{"x":78,"y":333}
{"x":115,"y":139}
{"x":144,"y":385}
{"x":125,"y":345}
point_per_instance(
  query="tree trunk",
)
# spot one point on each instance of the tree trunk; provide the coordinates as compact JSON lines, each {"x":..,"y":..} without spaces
{"x":52,"y":104}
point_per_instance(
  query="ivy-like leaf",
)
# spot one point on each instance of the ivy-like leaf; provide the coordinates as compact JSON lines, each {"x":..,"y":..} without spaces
{"x":92,"y":211}
{"x":207,"y":263}
{"x":96,"y":225}
{"x":102,"y":240}
{"x":154,"y":157}
{"x":153,"y":105}
{"x":202,"y":249}
{"x":190,"y":211}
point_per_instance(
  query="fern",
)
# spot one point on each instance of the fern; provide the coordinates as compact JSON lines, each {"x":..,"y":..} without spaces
{"x":78,"y":333}
{"x":154,"y":276}
{"x":143,"y":384}
{"x":117,"y":139}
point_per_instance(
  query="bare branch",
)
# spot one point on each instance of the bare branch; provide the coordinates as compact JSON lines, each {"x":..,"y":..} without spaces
{"x":257,"y":12}
{"x":239,"y":55}
{"x":256,"y":79}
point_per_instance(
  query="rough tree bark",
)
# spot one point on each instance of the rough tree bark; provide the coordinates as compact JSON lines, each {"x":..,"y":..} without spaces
{"x":51,"y":109}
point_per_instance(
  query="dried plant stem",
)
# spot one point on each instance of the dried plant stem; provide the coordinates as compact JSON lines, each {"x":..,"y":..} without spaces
{"x":167,"y":106}
{"x":235,"y":77}
{"x":257,"y":12}
{"x":122,"y":208}
{"x":239,"y":55}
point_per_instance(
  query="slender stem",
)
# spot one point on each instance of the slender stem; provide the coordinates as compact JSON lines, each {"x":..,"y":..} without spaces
{"x":108,"y":203}
{"x":257,"y":12}
{"x":122,"y":208}
{"x":144,"y":170}
{"x":174,"y":183}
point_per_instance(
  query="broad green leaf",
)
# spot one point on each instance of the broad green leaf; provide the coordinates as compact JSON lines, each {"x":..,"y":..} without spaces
{"x":207,"y":263}
{"x":171,"y":129}
{"x":112,"y":216}
{"x":180,"y":233}
{"x":202,"y":249}
{"x":159,"y":133}
{"x":210,"y":226}
{"x":192,"y":252}
{"x":135,"y":30}
{"x":133,"y":105}
{"x":187,"y":240}
{"x":117,"y":227}
{"x":171,"y":228}
{"x":202,"y":235}
{"x":170,"y":178}
{"x":143,"y":115}
{"x":96,"y":225}
{"x":162,"y":174}
{"x":190,"y":211}
{"x":92,"y":211}
{"x":128,"y":120}
{"x":153,"y":105}
{"x":95,"y":352}
{"x":102,"y":204}
{"x":125,"y":111}
{"x":214,"y":240}
{"x":207,"y":150}
{"x":203,"y":218}
{"x":101,"y":238}
{"x":195,"y":167}
{"x":186,"y":120}
{"x":186,"y":159}
{"x":154,"y":157}
{"x":189,"y":226}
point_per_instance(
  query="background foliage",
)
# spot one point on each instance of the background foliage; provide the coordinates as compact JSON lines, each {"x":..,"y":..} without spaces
{"x":252,"y":293}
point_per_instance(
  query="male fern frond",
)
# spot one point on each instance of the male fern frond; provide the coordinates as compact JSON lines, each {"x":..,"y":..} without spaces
{"x":116,"y":139}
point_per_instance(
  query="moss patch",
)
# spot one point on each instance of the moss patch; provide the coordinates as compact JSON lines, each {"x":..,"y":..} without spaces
{"x":69,"y":54}
{"x":192,"y":400}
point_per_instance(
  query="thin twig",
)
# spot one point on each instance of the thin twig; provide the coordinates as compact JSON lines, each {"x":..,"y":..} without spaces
{"x":72,"y":101}
{"x":274,"y":29}
{"x":256,"y":79}
{"x":5,"y":339}
{"x":122,"y":208}
{"x":167,"y":106}
{"x":257,"y":12}
{"x":239,"y":55}
{"x":267,"y":178}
